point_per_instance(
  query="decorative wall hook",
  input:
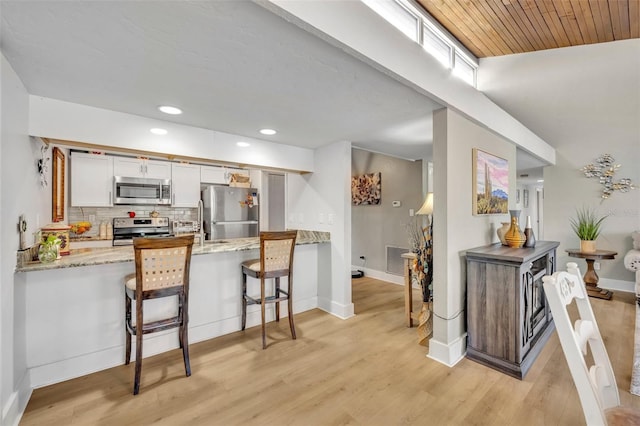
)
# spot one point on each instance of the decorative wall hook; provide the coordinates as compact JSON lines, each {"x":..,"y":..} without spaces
{"x":43,"y":164}
{"x":604,"y":169}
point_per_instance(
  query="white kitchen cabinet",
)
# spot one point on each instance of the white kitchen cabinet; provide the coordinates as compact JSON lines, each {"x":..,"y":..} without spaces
{"x":219,"y":175}
{"x":185,"y":185}
{"x":136,"y":167}
{"x":213,"y":174}
{"x":91,"y":180}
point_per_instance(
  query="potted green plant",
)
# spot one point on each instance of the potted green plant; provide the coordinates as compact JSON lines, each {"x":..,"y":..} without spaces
{"x":49,"y":249}
{"x":586,"y":225}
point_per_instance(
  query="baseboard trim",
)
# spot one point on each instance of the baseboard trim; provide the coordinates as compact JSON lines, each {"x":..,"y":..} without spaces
{"x":156,"y":343}
{"x":380,"y":275}
{"x":336,"y":309}
{"x":66,"y":369}
{"x":448,"y":354}
{"x":617,"y":285}
{"x":16,"y":403}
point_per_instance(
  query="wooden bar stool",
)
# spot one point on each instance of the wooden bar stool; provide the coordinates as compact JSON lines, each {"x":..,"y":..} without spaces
{"x":276,"y":260}
{"x":162,"y":270}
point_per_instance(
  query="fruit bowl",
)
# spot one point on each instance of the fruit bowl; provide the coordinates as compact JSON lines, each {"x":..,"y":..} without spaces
{"x":80,"y":228}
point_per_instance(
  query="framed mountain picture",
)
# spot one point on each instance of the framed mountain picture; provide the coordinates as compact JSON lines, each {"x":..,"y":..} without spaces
{"x":490,"y":183}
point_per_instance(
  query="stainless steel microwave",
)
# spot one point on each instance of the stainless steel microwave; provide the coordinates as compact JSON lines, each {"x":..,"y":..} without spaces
{"x":131,"y":190}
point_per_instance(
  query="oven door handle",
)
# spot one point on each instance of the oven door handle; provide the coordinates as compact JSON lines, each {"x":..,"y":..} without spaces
{"x":237,"y":222}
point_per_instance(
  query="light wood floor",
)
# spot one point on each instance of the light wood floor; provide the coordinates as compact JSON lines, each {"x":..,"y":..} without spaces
{"x":368,"y":370}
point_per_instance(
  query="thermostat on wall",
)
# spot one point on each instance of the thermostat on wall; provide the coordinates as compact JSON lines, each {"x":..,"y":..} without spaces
{"x":396,"y":203}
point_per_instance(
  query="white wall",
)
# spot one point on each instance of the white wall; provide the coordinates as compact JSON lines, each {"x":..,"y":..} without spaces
{"x":455,"y":228}
{"x":57,"y":119}
{"x":585,"y":100}
{"x":327,"y":192}
{"x":20,"y":193}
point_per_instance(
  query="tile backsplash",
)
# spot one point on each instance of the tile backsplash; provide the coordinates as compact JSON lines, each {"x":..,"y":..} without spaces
{"x":106,"y":214}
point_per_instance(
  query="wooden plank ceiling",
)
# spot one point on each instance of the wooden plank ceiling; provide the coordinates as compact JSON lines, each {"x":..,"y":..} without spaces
{"x":502,"y":27}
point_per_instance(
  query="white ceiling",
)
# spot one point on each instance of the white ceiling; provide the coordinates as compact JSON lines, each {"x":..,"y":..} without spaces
{"x":231,"y":66}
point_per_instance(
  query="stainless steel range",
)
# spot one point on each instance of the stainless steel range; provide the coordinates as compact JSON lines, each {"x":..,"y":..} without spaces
{"x":125,"y":229}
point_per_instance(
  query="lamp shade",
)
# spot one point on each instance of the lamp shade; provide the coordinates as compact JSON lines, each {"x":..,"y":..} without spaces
{"x":427,"y":206}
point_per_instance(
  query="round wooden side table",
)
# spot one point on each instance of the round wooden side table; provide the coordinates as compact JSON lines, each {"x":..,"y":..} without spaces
{"x":590,"y":277}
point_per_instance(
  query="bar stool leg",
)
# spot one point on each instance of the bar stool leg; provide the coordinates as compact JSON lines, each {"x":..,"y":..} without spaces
{"x":277,"y":296}
{"x":139,"y":326}
{"x":290,"y":307}
{"x":244,"y":300}
{"x":262,"y":312}
{"x":127,"y":321}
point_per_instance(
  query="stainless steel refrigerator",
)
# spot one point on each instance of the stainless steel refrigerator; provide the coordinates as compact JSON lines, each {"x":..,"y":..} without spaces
{"x":230,"y":212}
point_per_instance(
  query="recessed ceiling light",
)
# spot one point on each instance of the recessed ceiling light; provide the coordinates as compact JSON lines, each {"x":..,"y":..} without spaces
{"x":158,"y":131}
{"x":170,"y":110}
{"x":268,"y":132}
{"x":243,"y":144}
{"x":540,"y":180}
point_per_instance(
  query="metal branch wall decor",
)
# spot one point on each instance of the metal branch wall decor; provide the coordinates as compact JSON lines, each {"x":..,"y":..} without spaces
{"x":604,"y":169}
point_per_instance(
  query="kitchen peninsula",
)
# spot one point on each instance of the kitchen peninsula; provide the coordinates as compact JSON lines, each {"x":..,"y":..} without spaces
{"x":74,"y":307}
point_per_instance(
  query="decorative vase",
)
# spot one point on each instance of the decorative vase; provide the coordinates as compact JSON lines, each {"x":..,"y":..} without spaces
{"x":588,"y":246}
{"x":425,"y":323}
{"x":530,"y":239}
{"x":502,"y":231}
{"x":48,"y":252}
{"x":514,"y":237}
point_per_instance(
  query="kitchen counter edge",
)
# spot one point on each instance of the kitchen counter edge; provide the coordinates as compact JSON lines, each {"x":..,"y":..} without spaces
{"x":101,"y":256}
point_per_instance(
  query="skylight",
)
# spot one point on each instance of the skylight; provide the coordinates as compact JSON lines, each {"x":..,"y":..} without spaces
{"x":397,"y":15}
{"x":423,"y":29}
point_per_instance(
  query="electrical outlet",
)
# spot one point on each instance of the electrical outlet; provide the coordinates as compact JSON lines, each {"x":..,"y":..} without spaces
{"x":596,"y":266}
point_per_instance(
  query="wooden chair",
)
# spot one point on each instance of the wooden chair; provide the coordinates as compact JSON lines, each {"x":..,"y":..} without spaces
{"x":276,"y":260}
{"x":162,"y":269}
{"x":596,"y":384}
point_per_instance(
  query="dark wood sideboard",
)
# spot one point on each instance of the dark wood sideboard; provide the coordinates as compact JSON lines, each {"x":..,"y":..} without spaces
{"x":508,"y":319}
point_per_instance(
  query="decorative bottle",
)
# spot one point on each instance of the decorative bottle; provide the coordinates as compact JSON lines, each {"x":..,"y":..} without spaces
{"x":502,"y":231}
{"x":514,"y":237}
{"x":530,"y":241}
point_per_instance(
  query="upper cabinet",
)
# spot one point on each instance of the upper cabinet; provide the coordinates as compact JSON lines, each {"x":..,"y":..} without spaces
{"x":91,"y":180}
{"x":212,"y":174}
{"x":136,"y":167}
{"x":219,"y":175}
{"x":185,"y":185}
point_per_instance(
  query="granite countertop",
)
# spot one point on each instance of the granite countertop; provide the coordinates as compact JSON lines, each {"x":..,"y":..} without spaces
{"x":79,"y":238}
{"x":100,"y":256}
